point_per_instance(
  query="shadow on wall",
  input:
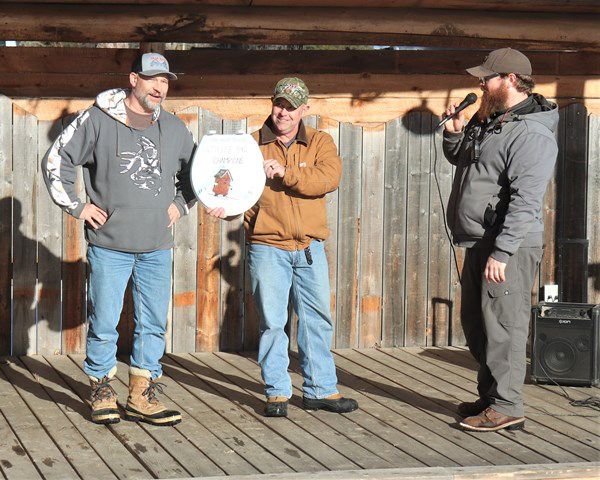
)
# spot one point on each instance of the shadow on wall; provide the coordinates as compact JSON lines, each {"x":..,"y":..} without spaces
{"x":594,"y":274}
{"x":426,"y":126}
{"x":44,"y":292}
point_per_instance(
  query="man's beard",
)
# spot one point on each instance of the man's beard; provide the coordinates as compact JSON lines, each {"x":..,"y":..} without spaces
{"x":144,"y":100}
{"x":492,"y":102}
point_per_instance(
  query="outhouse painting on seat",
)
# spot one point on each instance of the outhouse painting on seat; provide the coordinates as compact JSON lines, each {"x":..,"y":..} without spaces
{"x":223,"y":181}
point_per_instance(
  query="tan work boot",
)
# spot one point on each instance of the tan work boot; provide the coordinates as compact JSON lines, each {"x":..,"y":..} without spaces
{"x":104,"y":400}
{"x":142,"y":404}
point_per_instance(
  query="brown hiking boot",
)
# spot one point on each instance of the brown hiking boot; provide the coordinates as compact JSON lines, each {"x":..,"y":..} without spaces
{"x":470,"y":409}
{"x":104,"y":400}
{"x":142,"y":404}
{"x":490,"y":420}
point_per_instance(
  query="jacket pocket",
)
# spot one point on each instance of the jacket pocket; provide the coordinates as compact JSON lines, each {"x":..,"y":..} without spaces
{"x":313,"y":217}
{"x":267,"y":223}
{"x":505,"y":299}
{"x":133,"y":230}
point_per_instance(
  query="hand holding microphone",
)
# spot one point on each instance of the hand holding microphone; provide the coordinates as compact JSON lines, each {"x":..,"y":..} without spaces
{"x":455,"y":112}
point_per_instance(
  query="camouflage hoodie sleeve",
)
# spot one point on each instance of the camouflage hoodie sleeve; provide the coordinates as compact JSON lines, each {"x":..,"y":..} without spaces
{"x":73,"y":147}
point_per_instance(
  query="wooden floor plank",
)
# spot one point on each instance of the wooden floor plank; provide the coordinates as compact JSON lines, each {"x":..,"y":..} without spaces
{"x":209,"y":443}
{"x":15,"y":464}
{"x":316,"y":447}
{"x":425,"y":444}
{"x":575,"y":471}
{"x":100,"y":438}
{"x":535,"y":437}
{"x":557,"y":430}
{"x":200,"y":400}
{"x":374,"y":449}
{"x":406,"y":418}
{"x":217,"y":393}
{"x":46,"y":456}
{"x":73,"y":445}
{"x":551,"y":397}
{"x":187,"y":454}
{"x":133,"y":437}
{"x":578,"y":426}
{"x":408,"y":395}
{"x":415,"y":439}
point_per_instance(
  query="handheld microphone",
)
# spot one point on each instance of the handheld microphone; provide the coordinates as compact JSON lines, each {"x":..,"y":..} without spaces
{"x":470,"y":99}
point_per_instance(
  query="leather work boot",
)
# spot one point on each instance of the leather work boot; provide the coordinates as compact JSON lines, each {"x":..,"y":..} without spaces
{"x":276,"y":407}
{"x":104,"y":400}
{"x":490,"y":420}
{"x":469,"y":409}
{"x":333,"y":403}
{"x":142,"y":404}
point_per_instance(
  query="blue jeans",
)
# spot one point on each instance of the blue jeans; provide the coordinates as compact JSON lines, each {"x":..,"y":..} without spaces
{"x":110,"y":271}
{"x":274,"y":273}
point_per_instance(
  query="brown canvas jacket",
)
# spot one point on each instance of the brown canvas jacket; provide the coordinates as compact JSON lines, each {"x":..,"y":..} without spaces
{"x":291,"y":211}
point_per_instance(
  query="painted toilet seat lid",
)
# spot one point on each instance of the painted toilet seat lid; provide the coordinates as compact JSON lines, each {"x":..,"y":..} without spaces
{"x":227,"y":171}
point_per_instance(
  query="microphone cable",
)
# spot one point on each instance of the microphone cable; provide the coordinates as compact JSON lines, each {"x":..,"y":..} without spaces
{"x":439,"y":190}
{"x":590,"y":402}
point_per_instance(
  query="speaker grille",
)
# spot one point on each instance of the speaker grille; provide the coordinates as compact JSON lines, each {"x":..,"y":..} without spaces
{"x":558,"y":357}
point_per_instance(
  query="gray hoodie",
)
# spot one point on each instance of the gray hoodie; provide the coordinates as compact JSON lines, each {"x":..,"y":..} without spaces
{"x":497,"y":194}
{"x":133,"y":175}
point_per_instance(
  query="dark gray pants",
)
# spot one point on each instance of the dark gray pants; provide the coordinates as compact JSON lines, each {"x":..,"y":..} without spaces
{"x":495,"y":319}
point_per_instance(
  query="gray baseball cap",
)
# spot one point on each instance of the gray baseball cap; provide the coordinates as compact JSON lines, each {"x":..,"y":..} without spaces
{"x":151,"y":64}
{"x":503,"y":60}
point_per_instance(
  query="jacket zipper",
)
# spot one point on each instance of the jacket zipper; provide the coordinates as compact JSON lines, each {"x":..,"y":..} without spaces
{"x":294,"y":206}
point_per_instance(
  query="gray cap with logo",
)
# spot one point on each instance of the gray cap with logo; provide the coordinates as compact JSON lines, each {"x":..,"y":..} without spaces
{"x":503,"y":60}
{"x":293,"y":89}
{"x":152,"y":64}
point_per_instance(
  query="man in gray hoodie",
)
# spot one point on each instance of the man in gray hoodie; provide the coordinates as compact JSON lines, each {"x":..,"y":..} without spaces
{"x":504,"y":159}
{"x":135,"y":158}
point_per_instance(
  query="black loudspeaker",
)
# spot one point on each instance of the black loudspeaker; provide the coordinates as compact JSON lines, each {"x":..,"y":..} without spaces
{"x":566,"y":338}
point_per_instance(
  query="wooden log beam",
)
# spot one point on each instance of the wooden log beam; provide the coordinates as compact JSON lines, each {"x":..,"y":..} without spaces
{"x":111,"y":61}
{"x":342,"y":109}
{"x":357,"y":87}
{"x":298,"y":25}
{"x":573,"y":6}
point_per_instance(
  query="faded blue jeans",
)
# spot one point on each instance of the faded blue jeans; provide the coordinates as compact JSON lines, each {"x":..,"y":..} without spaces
{"x":110,"y":271}
{"x":274,"y":273}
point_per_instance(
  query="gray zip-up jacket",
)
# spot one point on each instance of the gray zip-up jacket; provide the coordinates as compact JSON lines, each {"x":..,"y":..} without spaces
{"x":498,"y":189}
{"x":133,"y":175}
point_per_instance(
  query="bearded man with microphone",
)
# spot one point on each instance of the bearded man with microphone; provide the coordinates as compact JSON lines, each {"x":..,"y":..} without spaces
{"x":504,"y":159}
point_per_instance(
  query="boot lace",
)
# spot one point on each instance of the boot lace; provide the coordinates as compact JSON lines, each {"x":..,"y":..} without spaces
{"x":152,"y":389}
{"x":103,"y":390}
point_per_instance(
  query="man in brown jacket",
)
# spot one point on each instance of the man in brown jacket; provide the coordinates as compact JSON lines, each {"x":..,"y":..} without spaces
{"x":286,"y":229}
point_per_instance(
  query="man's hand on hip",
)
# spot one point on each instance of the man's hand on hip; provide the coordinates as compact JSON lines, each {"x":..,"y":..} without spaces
{"x":273,"y":169}
{"x":174,"y":214}
{"x":94,"y":216}
{"x":494,"y":271}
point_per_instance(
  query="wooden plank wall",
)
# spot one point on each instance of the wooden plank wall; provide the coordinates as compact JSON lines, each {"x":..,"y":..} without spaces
{"x":392,"y":271}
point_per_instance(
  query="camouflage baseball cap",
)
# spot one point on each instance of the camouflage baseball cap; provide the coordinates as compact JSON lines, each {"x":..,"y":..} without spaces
{"x":293,"y":90}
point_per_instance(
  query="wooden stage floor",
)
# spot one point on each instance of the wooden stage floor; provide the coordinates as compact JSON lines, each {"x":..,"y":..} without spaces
{"x":406,"y":421}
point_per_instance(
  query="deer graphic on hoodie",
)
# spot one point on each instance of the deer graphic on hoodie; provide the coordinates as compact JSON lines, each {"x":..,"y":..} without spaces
{"x":133,"y":175}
